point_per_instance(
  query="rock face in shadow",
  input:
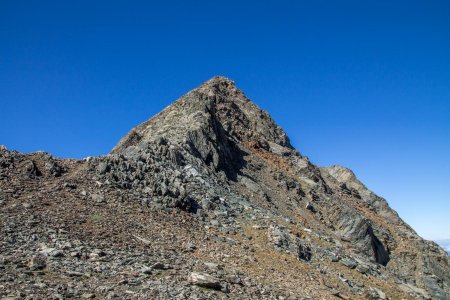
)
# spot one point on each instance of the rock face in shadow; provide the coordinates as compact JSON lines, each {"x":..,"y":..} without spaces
{"x":206,"y":199}
{"x":380,"y":254}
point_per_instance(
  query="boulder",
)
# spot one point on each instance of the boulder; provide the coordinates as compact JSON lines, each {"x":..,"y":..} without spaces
{"x":204,"y":280}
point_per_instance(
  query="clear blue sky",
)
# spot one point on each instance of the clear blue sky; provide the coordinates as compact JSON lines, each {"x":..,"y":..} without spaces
{"x":364,"y":84}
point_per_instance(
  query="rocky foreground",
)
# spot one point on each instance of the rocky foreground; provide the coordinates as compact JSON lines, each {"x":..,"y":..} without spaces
{"x":206,"y":200}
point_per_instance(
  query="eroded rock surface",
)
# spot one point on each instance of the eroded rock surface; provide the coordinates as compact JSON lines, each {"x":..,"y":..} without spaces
{"x":205,"y":200}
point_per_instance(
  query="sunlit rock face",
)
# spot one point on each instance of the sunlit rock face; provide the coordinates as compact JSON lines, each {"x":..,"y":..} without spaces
{"x":207,"y":199}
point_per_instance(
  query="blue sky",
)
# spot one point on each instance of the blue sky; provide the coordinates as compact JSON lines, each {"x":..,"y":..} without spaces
{"x":364,"y":84}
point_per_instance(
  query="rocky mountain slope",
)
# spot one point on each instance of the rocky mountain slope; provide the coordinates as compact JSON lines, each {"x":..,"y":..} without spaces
{"x":445,"y":244}
{"x":206,"y":200}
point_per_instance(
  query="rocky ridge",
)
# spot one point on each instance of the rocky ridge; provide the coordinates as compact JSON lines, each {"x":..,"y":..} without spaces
{"x":207,"y":199}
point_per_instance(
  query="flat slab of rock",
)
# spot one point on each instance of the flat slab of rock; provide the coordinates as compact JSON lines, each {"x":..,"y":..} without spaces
{"x":204,"y":280}
{"x":349,"y":263}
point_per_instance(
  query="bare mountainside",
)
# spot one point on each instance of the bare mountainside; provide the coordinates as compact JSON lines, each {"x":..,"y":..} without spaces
{"x":206,"y":200}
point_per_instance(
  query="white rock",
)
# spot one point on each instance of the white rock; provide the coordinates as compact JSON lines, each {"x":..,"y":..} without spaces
{"x":204,"y":280}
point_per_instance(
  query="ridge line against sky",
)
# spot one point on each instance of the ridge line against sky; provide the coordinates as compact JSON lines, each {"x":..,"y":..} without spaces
{"x":365,"y":85}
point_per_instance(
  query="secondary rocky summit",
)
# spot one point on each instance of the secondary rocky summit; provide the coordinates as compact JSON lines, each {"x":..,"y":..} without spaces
{"x":207,"y":199}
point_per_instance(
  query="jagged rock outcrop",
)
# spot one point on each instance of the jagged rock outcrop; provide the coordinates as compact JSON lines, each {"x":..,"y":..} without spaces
{"x":207,"y":199}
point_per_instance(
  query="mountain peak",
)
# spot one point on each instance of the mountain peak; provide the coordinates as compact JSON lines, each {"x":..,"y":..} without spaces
{"x":218,"y":80}
{"x":210,"y":177}
{"x":218,"y":86}
{"x":216,"y":105}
